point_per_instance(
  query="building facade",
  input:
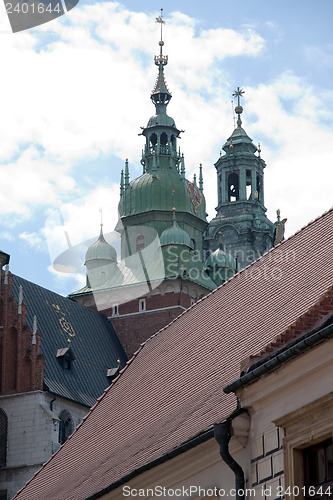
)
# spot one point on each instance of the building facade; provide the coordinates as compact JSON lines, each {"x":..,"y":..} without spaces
{"x":56,"y":359}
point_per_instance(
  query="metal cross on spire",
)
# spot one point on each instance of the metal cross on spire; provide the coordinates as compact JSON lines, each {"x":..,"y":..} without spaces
{"x":160,"y":20}
{"x":238,"y":93}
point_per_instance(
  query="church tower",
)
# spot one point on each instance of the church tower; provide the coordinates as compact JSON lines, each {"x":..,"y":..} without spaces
{"x":149,"y":200}
{"x":162,"y":219}
{"x":241,"y":215}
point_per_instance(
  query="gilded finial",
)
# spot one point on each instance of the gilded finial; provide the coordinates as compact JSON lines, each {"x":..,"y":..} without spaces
{"x":238,"y":93}
{"x":69,"y":341}
{"x":101,"y":211}
{"x":160,"y":20}
{"x":238,"y":109}
{"x":118,"y":362}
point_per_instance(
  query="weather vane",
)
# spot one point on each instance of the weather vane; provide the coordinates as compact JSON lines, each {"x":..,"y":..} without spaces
{"x":238,"y":93}
{"x":160,"y":20}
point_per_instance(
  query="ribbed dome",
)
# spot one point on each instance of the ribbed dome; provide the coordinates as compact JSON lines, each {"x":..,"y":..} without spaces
{"x":160,"y":192}
{"x":101,"y":250}
{"x":175,"y":235}
{"x":220,"y":258}
{"x":161,"y":120}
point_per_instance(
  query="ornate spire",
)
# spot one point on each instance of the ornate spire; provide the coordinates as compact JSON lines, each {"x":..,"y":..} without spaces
{"x":122,"y":183}
{"x":126,"y":173}
{"x":160,"y":94}
{"x":200,"y":179}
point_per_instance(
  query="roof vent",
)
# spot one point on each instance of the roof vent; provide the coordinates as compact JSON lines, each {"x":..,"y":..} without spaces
{"x":111,"y":373}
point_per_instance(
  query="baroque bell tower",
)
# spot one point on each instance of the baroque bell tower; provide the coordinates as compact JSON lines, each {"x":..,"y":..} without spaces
{"x":241,"y":218}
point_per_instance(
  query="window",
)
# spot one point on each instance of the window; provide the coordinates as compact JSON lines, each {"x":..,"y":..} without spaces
{"x":140,"y":242}
{"x":115,"y":310}
{"x":233,"y":187}
{"x":142,"y":305}
{"x":66,"y":426}
{"x":318,"y":470}
{"x":3,"y":437}
{"x":248,"y":184}
{"x":153,"y":139}
{"x":308,"y":453}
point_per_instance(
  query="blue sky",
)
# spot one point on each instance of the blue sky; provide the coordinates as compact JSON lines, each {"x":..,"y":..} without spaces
{"x":75,"y":92}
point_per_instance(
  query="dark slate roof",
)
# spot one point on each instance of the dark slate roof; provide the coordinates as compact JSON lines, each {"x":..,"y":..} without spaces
{"x":94,"y":343}
{"x":172,"y":389}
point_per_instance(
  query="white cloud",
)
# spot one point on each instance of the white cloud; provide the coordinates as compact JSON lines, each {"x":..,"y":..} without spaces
{"x":74,"y":226}
{"x":79,"y":87}
{"x":32,"y":180}
{"x":34,"y":240}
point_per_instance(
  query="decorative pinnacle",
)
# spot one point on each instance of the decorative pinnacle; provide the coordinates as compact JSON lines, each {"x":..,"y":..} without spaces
{"x":238,"y":109}
{"x":238,"y":93}
{"x":160,"y":20}
{"x":101,"y":217}
{"x":161,"y":59}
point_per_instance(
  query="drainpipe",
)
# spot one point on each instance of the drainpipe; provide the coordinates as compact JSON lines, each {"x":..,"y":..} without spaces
{"x":222,"y":434}
{"x":52,"y":401}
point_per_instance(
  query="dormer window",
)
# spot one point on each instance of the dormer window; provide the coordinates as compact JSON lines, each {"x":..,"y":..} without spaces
{"x":66,"y":358}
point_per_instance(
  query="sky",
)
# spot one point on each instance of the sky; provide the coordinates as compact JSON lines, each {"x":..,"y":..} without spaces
{"x":76,"y":90}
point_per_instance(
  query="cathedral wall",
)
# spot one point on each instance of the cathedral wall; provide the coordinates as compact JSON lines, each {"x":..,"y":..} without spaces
{"x":136,"y":328}
{"x":32,"y":434}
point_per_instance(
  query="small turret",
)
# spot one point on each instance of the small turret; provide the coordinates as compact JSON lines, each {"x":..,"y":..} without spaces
{"x":100,"y":261}
{"x":175,"y":235}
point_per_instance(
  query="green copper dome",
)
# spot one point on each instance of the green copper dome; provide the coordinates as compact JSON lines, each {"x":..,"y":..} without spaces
{"x":159,"y":191}
{"x":161,"y":120}
{"x":101,"y":250}
{"x":175,"y":235}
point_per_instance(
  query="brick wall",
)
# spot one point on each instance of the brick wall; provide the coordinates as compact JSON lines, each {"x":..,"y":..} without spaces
{"x":21,"y":361}
{"x":135,"y":329}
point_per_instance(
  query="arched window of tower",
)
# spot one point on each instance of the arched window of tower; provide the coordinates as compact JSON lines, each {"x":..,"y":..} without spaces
{"x":248,"y":184}
{"x":233,"y":187}
{"x":153,"y":139}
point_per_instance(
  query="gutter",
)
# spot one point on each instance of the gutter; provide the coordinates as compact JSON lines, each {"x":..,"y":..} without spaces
{"x":201,"y":438}
{"x":285,"y":354}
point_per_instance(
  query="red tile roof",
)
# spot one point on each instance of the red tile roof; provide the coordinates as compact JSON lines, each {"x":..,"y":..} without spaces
{"x":172,"y":389}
